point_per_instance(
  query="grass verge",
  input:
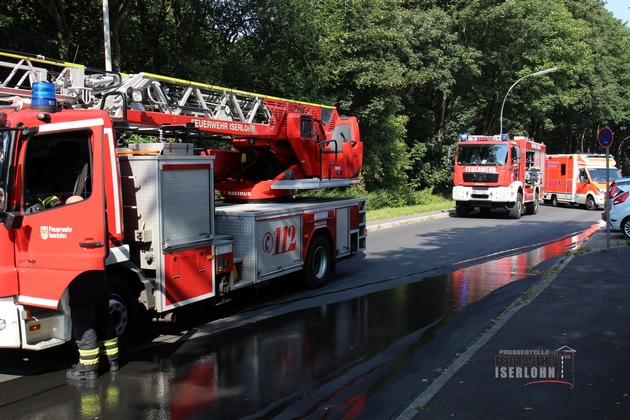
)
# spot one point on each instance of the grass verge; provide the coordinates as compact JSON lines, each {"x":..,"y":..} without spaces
{"x":389,"y":212}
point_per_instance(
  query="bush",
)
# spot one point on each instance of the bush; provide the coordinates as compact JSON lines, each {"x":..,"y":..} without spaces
{"x":383,"y":198}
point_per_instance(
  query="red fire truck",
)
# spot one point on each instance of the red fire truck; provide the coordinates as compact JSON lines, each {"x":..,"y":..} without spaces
{"x":498,"y":172}
{"x":74,"y":197}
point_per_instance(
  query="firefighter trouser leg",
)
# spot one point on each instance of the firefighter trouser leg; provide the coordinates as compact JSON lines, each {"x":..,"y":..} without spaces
{"x":106,"y":331}
{"x":109,"y":349}
{"x":87,"y":368}
{"x":88,"y":298}
{"x":88,"y":349}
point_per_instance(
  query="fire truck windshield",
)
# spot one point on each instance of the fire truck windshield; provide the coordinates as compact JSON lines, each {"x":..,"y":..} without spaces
{"x":8,"y":139}
{"x":482,"y":154}
{"x":4,"y":169}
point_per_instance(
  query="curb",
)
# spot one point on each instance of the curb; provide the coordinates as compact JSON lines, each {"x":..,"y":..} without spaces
{"x":386,"y":224}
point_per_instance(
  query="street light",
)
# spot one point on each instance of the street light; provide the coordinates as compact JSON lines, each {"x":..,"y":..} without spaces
{"x":538,"y":73}
{"x":106,"y":37}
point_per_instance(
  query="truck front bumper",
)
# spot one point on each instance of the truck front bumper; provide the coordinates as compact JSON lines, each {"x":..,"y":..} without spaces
{"x":484,"y":194}
{"x":19,"y":328}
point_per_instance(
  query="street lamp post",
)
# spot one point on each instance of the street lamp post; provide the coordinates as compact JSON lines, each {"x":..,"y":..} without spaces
{"x":538,"y":73}
{"x":107,"y":40}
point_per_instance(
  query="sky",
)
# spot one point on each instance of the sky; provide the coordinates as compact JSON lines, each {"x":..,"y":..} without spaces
{"x":620,"y":9}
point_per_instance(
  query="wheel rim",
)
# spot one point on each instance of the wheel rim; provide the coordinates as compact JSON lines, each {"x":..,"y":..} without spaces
{"x":118,"y":313}
{"x":626,"y":229}
{"x":320,"y":262}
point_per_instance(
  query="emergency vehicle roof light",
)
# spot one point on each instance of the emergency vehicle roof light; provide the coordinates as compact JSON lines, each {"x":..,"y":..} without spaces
{"x":463,"y":137}
{"x":44,"y":97}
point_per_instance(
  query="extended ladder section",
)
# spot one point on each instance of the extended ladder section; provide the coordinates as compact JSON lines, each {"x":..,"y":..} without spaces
{"x":278,"y":145}
{"x":75,"y":85}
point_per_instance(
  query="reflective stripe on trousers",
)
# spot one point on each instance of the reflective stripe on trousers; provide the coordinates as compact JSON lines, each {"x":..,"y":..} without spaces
{"x":109,"y":348}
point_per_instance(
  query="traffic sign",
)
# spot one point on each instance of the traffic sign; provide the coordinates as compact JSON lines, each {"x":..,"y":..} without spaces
{"x":605,"y":137}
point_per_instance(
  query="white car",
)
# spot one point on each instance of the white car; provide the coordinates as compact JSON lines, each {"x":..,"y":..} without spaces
{"x":618,"y":186}
{"x":620,"y":213}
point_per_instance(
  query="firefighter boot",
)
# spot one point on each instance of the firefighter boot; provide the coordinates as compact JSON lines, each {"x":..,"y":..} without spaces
{"x":81,"y":372}
{"x":109,"y":348}
{"x":87,"y":368}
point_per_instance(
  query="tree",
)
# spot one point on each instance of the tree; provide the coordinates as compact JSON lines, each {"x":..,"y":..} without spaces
{"x":416,"y":72}
{"x":365,"y":54}
{"x":600,"y":95}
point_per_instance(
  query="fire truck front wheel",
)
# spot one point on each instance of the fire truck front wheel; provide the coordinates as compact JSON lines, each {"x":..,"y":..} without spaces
{"x":532,"y":208}
{"x":462,"y":209}
{"x":318,"y":262}
{"x":123,"y":308}
{"x":517,"y":209}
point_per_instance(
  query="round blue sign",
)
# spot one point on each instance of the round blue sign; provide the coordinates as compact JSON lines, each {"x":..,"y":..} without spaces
{"x":605,"y":137}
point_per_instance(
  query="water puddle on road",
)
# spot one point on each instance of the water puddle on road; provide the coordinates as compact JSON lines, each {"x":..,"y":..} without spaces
{"x":296,"y":363}
{"x":472,"y":283}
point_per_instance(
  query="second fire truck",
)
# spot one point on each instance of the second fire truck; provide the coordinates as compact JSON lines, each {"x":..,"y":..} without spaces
{"x":498,"y":172}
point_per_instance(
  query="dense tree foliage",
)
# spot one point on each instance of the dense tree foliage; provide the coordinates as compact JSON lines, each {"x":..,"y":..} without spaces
{"x":416,"y":72}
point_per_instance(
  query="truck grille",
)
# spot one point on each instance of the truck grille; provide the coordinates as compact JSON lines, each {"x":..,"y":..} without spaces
{"x":481,"y":177}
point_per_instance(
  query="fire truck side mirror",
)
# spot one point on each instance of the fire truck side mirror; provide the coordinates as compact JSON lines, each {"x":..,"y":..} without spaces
{"x":451,"y":165}
{"x":582,"y":176}
{"x":516,"y":156}
{"x":13,"y":220}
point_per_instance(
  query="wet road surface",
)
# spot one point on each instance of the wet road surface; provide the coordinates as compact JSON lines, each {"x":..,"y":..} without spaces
{"x":363,"y":356}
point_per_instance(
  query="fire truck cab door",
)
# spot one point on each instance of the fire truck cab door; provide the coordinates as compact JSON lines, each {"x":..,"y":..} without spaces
{"x":60,"y":175}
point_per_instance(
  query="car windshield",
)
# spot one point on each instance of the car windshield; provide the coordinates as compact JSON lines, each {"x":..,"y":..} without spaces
{"x":599,"y":174}
{"x":482,"y":154}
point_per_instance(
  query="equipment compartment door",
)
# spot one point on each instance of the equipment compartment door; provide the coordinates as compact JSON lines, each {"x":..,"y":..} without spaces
{"x":63,"y":233}
{"x":189,"y":277}
{"x":279,"y":245}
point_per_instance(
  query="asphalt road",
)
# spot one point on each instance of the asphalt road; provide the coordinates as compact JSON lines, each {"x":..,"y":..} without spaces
{"x":363,"y":345}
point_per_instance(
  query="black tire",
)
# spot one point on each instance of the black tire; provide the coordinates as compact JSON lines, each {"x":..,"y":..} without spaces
{"x":590,"y":203}
{"x":123,"y":308}
{"x":532,"y":208}
{"x":318,"y":262}
{"x":462,"y":210}
{"x":554,"y":201}
{"x":625,"y":227}
{"x":517,"y":209}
